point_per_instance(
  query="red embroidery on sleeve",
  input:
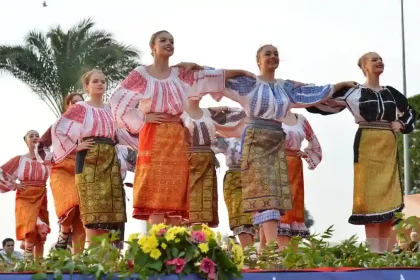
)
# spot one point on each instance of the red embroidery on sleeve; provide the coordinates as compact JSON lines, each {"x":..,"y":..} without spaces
{"x":11,"y":166}
{"x":135,"y":82}
{"x":76,"y":113}
{"x":186,"y":76}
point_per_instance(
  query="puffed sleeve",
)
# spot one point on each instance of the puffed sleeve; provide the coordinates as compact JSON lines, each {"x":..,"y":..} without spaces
{"x":126,"y":97}
{"x":67,"y":130}
{"x":407,"y":115}
{"x":306,"y":95}
{"x":9,"y":174}
{"x":313,"y":152}
{"x":198,"y":83}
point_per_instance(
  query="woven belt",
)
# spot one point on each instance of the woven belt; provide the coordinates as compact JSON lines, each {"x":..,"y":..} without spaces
{"x":376,"y":125}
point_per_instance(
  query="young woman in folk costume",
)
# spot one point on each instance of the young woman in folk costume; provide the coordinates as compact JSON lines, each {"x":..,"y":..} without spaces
{"x":381,"y":112}
{"x":266,"y":101}
{"x":32,"y":221}
{"x":88,"y":128}
{"x":297,"y":129}
{"x":64,"y":191}
{"x":160,"y":184}
{"x":202,"y":195}
{"x":239,"y":222}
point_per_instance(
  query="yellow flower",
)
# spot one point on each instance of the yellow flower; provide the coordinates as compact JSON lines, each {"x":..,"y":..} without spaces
{"x":238,"y":255}
{"x":142,"y":240}
{"x":175,"y":231}
{"x":163,"y":245}
{"x":208,"y":232}
{"x":133,"y":236}
{"x":156,"y":228}
{"x":155,"y":254}
{"x":150,"y":244}
{"x":204,"y":247}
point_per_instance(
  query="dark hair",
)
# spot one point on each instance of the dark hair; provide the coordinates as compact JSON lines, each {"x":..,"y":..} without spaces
{"x":7,"y":240}
{"x":69,"y":98}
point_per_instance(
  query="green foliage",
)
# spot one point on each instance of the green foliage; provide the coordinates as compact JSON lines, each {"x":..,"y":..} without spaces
{"x":52,"y":63}
{"x":414,"y":144}
{"x":316,"y":251}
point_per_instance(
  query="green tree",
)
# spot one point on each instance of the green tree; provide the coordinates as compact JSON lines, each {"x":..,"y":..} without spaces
{"x":414,"y":151}
{"x":52,"y":63}
{"x":309,"y":221}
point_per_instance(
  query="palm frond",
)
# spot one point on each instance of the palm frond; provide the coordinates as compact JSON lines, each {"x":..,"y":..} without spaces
{"x":52,"y":63}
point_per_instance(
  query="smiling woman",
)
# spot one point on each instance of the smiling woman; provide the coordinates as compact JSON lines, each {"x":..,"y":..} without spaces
{"x":161,"y":91}
{"x":32,"y":221}
{"x":381,"y":112}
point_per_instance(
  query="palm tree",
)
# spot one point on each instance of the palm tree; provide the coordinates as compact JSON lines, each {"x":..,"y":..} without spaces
{"x":52,"y":63}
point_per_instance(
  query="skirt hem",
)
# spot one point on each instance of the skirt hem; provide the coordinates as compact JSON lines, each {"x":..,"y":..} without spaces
{"x":362,"y":219}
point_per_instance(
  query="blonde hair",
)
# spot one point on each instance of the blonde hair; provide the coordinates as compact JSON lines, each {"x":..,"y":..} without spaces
{"x":154,"y":37}
{"x":362,"y":61}
{"x":86,"y":77}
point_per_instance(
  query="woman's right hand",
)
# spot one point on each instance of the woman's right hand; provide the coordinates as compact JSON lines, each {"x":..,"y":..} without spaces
{"x":19,"y":187}
{"x":155,"y":117}
{"x":85,"y":145}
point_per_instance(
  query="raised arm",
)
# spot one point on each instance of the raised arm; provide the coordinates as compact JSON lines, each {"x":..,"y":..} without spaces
{"x":202,"y":80}
{"x":309,"y":95}
{"x":9,"y":175}
{"x":125,"y":98}
{"x":66,"y":132}
{"x":407,"y":116}
{"x":335,"y":104}
{"x":312,"y":154}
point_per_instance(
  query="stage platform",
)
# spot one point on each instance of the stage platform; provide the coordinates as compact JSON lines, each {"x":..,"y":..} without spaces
{"x":321,"y":274}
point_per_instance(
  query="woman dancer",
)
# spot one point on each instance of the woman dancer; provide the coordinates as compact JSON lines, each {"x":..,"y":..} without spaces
{"x":32,"y":221}
{"x":64,"y":191}
{"x":297,"y":129}
{"x":381,"y":112}
{"x":266,"y":100}
{"x":160,"y":184}
{"x":88,"y":128}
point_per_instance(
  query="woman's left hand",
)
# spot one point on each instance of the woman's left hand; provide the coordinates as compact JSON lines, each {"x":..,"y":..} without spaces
{"x":396,"y":126}
{"x":189,"y":66}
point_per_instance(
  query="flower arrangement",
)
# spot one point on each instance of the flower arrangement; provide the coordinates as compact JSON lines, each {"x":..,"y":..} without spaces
{"x":179,"y":250}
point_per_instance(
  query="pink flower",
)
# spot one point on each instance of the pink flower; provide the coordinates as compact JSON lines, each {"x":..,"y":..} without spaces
{"x":161,"y":232}
{"x":209,"y":267}
{"x":198,"y":237}
{"x":179,"y":264}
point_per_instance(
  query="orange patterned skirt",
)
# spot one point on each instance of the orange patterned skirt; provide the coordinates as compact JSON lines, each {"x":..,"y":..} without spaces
{"x":64,"y":191}
{"x":292,"y":223}
{"x":161,"y":177}
{"x":31,"y":203}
